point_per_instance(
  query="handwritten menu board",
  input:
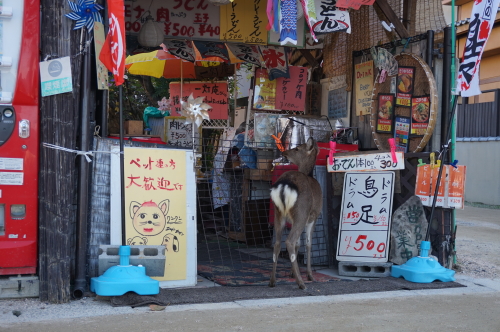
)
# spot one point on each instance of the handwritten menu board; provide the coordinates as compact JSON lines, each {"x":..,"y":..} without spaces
{"x":241,"y":21}
{"x":366,"y":162}
{"x":282,"y":93}
{"x":365,"y":218}
{"x":291,"y":92}
{"x":363,"y":87}
{"x":179,"y":133}
{"x":216,"y":95}
{"x":337,"y":103}
{"x":190,"y":19}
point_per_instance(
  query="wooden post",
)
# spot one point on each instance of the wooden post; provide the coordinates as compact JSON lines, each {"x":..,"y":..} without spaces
{"x":393,"y":18}
{"x":57,"y":182}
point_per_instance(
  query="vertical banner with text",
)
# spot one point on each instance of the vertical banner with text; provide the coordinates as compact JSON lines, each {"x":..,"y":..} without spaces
{"x":363,"y":87}
{"x":155,"y":204}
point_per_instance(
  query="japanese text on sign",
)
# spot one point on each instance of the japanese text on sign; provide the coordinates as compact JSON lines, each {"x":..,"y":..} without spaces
{"x":215,"y":94}
{"x":179,"y":18}
{"x":179,"y":133}
{"x":291,"y":92}
{"x":367,"y":162}
{"x":365,"y":217}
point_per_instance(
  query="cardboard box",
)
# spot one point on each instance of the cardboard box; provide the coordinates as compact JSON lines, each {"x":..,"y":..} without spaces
{"x":134,"y":127}
{"x":264,"y":164}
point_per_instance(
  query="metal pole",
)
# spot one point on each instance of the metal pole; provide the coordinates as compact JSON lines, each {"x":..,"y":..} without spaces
{"x":122,"y":166}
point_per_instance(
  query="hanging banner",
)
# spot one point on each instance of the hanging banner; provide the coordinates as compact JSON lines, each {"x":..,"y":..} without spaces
{"x":180,"y":48}
{"x":99,"y":40}
{"x":329,"y":18}
{"x":264,"y":93}
{"x":209,"y":49}
{"x":451,"y":187}
{"x":363,"y":87}
{"x":276,"y":61}
{"x":404,"y":88}
{"x":273,"y":37}
{"x":291,"y":92}
{"x":365,"y":217}
{"x":354,"y":4}
{"x":482,"y":19}
{"x":155,"y":204}
{"x":113,"y":51}
{"x":193,"y":19}
{"x":216,"y":95}
{"x":244,"y":21}
{"x":247,"y":53}
{"x":420,"y":111}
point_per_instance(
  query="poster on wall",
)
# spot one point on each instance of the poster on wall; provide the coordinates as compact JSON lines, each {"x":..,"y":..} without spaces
{"x":451,"y":188}
{"x":195,"y":20}
{"x":363,"y":87}
{"x":365,"y":217}
{"x":291,"y":92}
{"x":216,"y":95}
{"x":402,"y":133}
{"x":385,"y":113}
{"x":155,"y":204}
{"x":404,"y":88}
{"x":264,"y":93}
{"x":420,"y":112}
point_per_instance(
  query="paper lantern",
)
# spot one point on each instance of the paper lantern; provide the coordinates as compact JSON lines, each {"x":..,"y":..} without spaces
{"x":151,"y":34}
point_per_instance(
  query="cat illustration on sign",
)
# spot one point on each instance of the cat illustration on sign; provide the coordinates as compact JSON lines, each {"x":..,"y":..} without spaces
{"x":137,"y":241}
{"x":149,"y":218}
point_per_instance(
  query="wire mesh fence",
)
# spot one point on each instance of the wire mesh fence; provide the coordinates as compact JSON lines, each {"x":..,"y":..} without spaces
{"x":236,"y":214}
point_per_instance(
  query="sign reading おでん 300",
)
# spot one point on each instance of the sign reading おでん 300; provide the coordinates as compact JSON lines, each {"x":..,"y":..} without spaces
{"x":365,"y":218}
{"x":366,"y":162}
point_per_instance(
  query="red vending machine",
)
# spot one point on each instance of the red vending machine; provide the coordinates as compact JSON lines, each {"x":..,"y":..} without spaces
{"x":19,"y":137}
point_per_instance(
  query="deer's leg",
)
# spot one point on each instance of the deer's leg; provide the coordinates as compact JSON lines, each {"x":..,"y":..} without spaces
{"x":279,"y":223}
{"x":291,"y":244}
{"x":297,"y":247}
{"x":309,"y":231}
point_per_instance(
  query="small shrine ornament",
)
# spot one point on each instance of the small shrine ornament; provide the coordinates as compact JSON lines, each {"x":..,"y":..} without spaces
{"x":195,"y":110}
{"x":85,"y":13}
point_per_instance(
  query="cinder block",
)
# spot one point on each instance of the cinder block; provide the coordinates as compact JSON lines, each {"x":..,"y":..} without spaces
{"x":19,"y":287}
{"x":151,"y":257}
{"x":365,"y":269}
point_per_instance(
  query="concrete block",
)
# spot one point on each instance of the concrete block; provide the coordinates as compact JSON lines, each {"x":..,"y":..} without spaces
{"x":365,"y":269}
{"x":19,"y":287}
{"x":151,"y":257}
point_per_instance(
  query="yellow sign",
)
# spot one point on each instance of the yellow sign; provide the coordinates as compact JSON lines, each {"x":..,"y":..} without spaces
{"x":244,"y":21}
{"x":155,"y":204}
{"x":363,"y":87}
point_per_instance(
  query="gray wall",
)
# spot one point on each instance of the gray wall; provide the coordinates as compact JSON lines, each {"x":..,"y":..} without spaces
{"x":482,"y":158}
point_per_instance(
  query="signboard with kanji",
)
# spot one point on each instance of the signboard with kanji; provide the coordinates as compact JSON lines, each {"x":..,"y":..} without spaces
{"x":156,"y":196}
{"x":365,"y":218}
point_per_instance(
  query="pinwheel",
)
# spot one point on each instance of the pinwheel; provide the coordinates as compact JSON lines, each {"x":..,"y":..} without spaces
{"x":85,"y":12}
{"x":195,"y":110}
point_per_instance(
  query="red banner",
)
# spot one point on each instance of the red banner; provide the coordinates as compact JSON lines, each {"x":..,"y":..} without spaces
{"x":113,"y":51}
{"x":216,"y":95}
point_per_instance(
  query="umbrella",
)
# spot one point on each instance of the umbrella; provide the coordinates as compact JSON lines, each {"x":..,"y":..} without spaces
{"x":159,"y":63}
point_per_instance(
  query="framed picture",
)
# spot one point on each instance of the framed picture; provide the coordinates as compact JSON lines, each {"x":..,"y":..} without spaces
{"x":420,"y":113}
{"x":264,"y":93}
{"x":404,"y":86}
{"x":402,"y":133}
{"x":385,"y":113}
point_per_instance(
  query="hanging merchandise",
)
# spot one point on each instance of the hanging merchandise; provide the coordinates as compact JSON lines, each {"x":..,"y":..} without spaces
{"x":386,"y":63}
{"x":85,"y":12}
{"x":247,"y":53}
{"x":276,"y":61}
{"x":309,"y":10}
{"x":195,"y":110}
{"x":482,"y":19}
{"x":288,"y":22}
{"x":354,"y":4}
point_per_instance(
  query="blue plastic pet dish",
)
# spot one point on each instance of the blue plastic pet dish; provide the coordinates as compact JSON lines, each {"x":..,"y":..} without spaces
{"x":123,"y":278}
{"x":423,"y":269}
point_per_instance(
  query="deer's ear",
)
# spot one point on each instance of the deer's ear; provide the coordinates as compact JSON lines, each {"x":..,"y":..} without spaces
{"x":310,"y":143}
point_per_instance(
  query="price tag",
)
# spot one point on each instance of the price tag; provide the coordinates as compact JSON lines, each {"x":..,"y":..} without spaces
{"x":367,"y":162}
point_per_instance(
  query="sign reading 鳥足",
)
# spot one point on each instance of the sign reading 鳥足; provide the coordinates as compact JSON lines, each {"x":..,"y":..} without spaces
{"x":365,"y":218}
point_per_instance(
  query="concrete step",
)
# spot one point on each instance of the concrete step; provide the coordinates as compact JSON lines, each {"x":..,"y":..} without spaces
{"x":19,"y":287}
{"x":365,"y":269}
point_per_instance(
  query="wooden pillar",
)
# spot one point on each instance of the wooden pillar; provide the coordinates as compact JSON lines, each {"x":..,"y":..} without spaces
{"x":57,"y":184}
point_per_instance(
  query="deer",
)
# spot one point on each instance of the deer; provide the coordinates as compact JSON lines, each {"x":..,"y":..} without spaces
{"x":298,"y":198}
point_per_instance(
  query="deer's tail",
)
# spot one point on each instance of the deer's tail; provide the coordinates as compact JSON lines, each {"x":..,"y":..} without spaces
{"x":284,"y":195}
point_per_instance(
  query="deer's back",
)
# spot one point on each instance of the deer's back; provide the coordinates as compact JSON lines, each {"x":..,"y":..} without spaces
{"x":309,"y":191}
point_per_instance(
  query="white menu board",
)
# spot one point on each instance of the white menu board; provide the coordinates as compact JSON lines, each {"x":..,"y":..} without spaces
{"x":365,"y":219}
